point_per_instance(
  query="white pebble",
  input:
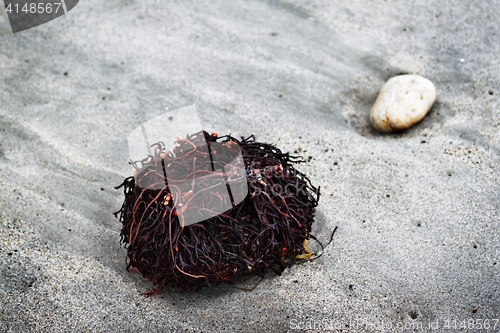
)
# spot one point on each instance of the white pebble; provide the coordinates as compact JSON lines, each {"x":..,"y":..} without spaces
{"x":402,"y":102}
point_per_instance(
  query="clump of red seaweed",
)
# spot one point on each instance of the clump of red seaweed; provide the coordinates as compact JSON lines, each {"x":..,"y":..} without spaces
{"x":268,"y":230}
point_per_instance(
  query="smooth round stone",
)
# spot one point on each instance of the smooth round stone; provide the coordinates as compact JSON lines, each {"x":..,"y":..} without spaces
{"x":402,"y":102}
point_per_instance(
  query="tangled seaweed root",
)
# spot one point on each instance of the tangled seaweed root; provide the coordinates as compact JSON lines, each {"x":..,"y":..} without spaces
{"x":266,"y":231}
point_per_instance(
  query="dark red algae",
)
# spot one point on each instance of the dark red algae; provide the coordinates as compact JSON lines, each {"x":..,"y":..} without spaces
{"x":266,"y":231}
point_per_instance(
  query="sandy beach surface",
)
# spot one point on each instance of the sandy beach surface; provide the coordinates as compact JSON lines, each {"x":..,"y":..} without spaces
{"x":417,"y":247}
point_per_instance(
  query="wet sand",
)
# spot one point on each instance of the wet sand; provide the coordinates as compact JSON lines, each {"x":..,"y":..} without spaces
{"x":417,"y":246}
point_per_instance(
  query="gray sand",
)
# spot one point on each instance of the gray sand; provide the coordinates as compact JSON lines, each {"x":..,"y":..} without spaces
{"x":418,"y":212}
